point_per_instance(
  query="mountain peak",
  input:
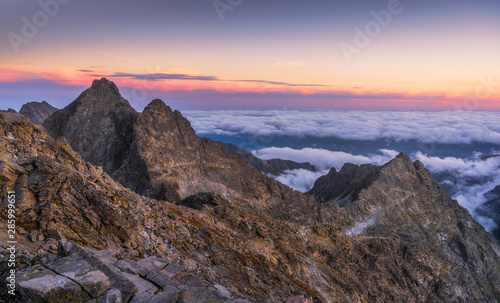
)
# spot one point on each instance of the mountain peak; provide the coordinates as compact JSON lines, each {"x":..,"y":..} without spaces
{"x":403,"y":156}
{"x":103,"y":83}
{"x":98,"y":124}
{"x":158,"y":105}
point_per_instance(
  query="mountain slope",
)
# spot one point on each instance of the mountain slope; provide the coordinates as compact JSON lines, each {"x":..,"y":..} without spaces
{"x":37,"y":112}
{"x":402,"y":200}
{"x":273,"y":167}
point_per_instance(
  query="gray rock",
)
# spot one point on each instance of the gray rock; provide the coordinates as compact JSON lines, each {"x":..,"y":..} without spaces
{"x":49,"y":287}
{"x":117,"y":281}
{"x":37,"y":112}
{"x":300,"y":299}
{"x":106,"y":256}
{"x":171,"y":270}
{"x":223,"y":292}
{"x":143,"y":286}
{"x":142,"y":297}
{"x":199,"y":295}
{"x":94,"y":282}
{"x":160,"y":279}
{"x":152,"y":263}
{"x":194,"y":281}
{"x":132,"y":267}
{"x":111,"y":296}
{"x":169,"y":294}
{"x":64,"y":277}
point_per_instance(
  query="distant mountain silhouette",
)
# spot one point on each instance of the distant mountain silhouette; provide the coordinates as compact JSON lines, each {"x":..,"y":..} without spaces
{"x":37,"y":112}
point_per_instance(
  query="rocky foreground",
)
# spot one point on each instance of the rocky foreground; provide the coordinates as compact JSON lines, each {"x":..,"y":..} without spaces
{"x":120,"y":206}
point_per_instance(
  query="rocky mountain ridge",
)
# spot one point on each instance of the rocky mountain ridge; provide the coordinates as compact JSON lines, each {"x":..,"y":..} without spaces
{"x":401,"y":199}
{"x":375,"y":234}
{"x":157,"y":153}
{"x":273,"y":167}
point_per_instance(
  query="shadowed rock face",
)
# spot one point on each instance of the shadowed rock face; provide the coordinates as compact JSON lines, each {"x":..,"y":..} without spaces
{"x":98,"y":124}
{"x":274,"y":167}
{"x":344,"y":187}
{"x":37,"y":112}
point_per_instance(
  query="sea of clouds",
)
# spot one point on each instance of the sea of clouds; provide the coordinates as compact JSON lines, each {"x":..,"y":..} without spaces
{"x":447,"y":127}
{"x":467,"y":179}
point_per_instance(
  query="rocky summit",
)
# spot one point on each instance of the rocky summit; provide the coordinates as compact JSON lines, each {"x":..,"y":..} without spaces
{"x":118,"y":206}
{"x":98,"y":124}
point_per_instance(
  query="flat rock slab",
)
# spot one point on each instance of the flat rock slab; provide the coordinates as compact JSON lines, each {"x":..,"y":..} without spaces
{"x":200,"y":295}
{"x":299,"y":299}
{"x":143,"y":286}
{"x":69,"y":279}
{"x":111,"y":296}
{"x":152,"y":263}
{"x":52,"y":288}
{"x":169,"y":294}
{"x":171,"y":270}
{"x":117,"y":281}
{"x":161,"y":280}
{"x":132,"y":267}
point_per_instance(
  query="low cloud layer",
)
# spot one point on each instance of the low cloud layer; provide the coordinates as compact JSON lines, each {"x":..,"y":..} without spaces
{"x":303,"y":180}
{"x":323,"y":159}
{"x":447,"y":127}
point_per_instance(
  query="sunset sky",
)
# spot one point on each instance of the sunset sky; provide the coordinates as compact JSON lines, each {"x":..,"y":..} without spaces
{"x":255,"y":54}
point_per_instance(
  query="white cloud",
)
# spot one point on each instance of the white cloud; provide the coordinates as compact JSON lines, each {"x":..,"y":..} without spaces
{"x":303,"y":180}
{"x":300,"y":179}
{"x":462,"y":167}
{"x":441,"y":127}
{"x":321,"y":158}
